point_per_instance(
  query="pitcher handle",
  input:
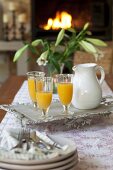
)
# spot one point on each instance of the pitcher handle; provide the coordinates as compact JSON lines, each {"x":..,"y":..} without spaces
{"x":102,"y":74}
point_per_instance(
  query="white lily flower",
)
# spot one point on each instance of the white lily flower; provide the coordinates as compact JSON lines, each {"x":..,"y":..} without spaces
{"x":42,"y":61}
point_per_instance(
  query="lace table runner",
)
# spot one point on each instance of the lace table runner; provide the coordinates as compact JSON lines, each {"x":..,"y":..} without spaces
{"x":94,"y":143}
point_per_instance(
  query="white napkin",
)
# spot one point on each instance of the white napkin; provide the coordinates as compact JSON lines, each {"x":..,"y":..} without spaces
{"x":10,"y":138}
{"x":12,"y":147}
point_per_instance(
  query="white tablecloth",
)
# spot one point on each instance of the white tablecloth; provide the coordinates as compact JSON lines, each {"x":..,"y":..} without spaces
{"x":94,"y":143}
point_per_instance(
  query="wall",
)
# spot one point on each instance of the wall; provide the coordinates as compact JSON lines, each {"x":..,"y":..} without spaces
{"x":23,"y":6}
{"x":7,"y":67}
{"x":106,"y":61}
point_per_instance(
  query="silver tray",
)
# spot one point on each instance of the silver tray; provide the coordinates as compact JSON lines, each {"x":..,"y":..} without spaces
{"x":55,"y":117}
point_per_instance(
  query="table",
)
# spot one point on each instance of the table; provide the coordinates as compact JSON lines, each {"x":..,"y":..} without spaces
{"x":8,"y":91}
{"x":94,"y":143}
{"x":12,"y":85}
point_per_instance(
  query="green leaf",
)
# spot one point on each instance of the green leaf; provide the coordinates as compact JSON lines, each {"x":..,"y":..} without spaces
{"x":44,"y":54}
{"x":56,"y":64}
{"x":89,"y":33}
{"x":69,"y":64}
{"x":37,"y":42}
{"x":67,"y":36}
{"x":86,"y":26}
{"x":33,"y":49}
{"x":71,"y":30}
{"x":88,"y":47}
{"x":97,"y":42}
{"x":59,"y":49}
{"x":60,"y":37}
{"x":57,"y":56}
{"x":19,"y":53}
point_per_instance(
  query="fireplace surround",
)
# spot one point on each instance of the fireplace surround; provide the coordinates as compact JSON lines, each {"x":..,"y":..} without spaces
{"x":97,"y":12}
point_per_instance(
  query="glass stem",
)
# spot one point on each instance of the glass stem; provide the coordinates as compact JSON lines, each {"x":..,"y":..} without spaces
{"x":65,"y":108}
{"x":45,"y":112}
{"x":35,"y":104}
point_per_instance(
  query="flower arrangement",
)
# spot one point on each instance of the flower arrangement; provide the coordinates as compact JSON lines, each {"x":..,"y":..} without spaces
{"x":57,"y":54}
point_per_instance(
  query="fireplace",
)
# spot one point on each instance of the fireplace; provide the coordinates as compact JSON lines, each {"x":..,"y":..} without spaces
{"x":47,"y":17}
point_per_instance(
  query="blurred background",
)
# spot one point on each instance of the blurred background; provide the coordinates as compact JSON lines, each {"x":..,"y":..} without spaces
{"x":25,"y":20}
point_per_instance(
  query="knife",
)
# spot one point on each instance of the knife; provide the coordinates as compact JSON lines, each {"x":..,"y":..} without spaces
{"x":46,"y":138}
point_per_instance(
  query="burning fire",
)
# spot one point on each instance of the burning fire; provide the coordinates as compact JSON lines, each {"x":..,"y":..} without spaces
{"x":62,"y":20}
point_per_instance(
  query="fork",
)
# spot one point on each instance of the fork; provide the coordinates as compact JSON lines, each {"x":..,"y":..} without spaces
{"x":31,"y":137}
{"x":23,"y":139}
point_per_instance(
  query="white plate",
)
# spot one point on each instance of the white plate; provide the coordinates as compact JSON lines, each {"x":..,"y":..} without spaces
{"x":63,"y":162}
{"x":75,"y":167}
{"x":59,"y":139}
{"x":59,"y":166}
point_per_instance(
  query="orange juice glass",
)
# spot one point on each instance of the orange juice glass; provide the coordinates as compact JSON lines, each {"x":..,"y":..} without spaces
{"x":44,"y":96}
{"x":65,"y":90}
{"x":44,"y":99}
{"x":33,"y":84}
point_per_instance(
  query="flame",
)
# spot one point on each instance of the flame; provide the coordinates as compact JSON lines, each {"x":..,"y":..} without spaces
{"x":62,"y":20}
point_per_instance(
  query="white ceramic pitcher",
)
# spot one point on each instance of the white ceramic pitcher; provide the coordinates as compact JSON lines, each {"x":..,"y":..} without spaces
{"x":87,"y":92}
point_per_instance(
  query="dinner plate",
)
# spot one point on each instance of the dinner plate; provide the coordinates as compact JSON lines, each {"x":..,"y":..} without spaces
{"x":57,"y":138}
{"x":68,"y":165}
{"x":74,"y":167}
{"x":52,"y":165}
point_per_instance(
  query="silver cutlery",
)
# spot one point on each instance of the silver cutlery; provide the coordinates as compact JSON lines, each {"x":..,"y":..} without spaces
{"x":40,"y":139}
{"x":31,"y":137}
{"x":46,"y":138}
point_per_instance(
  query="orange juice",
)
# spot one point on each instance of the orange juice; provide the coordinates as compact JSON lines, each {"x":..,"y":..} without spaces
{"x":44,"y":99}
{"x":33,"y":89}
{"x":39,"y":85}
{"x":65,"y":92}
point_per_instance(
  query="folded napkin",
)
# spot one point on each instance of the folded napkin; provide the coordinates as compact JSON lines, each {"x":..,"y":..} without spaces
{"x":10,"y":138}
{"x":23,"y":144}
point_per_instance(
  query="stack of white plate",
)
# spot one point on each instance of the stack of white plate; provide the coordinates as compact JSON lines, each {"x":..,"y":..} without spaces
{"x":67,"y":161}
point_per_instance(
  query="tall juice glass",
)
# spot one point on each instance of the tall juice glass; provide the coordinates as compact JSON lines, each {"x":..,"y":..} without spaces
{"x":44,"y":96}
{"x":65,"y":90}
{"x":32,"y":77}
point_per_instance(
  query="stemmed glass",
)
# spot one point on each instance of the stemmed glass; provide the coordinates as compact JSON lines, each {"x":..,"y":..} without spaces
{"x":32,"y":76}
{"x":44,"y":96}
{"x":65,"y":90}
